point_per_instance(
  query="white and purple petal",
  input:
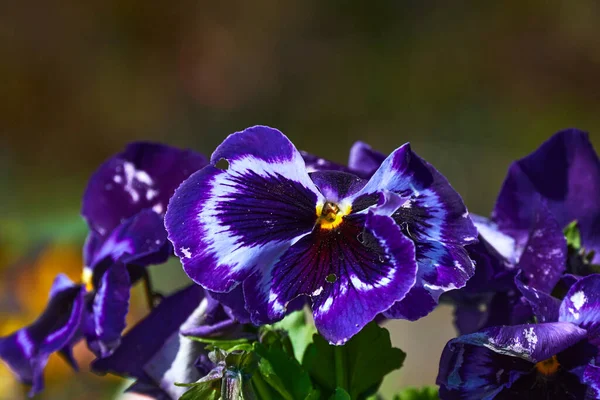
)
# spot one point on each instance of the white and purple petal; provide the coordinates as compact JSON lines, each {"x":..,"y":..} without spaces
{"x":26,"y":351}
{"x":581,"y":306}
{"x":441,"y":268}
{"x":225,"y":223}
{"x":591,"y":377}
{"x":143,"y":176}
{"x":432,"y":210}
{"x":544,"y":257}
{"x":531,"y":342}
{"x":544,"y":306}
{"x":565,"y":171}
{"x":315,"y":163}
{"x":351,"y":274}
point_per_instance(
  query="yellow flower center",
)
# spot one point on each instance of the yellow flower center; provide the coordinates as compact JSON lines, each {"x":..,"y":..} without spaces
{"x":330,"y":215}
{"x":86,"y":279}
{"x":548,"y":367}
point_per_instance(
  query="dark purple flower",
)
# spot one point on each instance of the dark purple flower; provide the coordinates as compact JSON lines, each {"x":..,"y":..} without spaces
{"x":542,"y":193}
{"x":124,"y":205}
{"x":552,"y":359}
{"x":27,"y":350}
{"x":156,"y":352}
{"x":351,"y":245}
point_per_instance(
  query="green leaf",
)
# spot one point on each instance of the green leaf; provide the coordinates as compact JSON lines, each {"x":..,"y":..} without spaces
{"x":300,"y":331}
{"x":202,"y":391}
{"x":424,"y":393}
{"x":284,"y":373}
{"x":573,"y":235}
{"x":340,"y":394}
{"x":367,"y":358}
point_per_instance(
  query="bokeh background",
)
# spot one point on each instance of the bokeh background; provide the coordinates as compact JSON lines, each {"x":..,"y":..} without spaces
{"x":472,"y":85}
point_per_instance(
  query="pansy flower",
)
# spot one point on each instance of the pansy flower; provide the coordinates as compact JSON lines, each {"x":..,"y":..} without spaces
{"x":552,"y":359}
{"x":166,"y":356}
{"x":543,"y":193}
{"x":27,"y":350}
{"x":124,"y":206}
{"x":356,"y":248}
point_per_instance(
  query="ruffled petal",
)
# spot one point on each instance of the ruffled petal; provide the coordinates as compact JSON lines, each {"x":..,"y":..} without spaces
{"x":110,"y":308}
{"x":442,"y":267}
{"x":473,"y":372}
{"x":544,"y":257}
{"x":26,"y":351}
{"x":530,"y":342}
{"x":544,"y":306}
{"x":143,"y":176}
{"x":225,"y":223}
{"x":581,"y":306}
{"x":565,"y":171}
{"x":352,"y":274}
{"x":433,"y":210}
{"x":140,"y":239}
{"x":363,"y":160}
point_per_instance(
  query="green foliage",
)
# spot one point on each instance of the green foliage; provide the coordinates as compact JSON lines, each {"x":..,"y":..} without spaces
{"x":299,"y":330}
{"x":573,"y":235}
{"x":424,"y":393}
{"x":340,"y":394}
{"x":366,"y":359}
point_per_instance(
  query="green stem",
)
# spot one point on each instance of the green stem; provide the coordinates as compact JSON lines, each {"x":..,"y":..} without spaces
{"x":340,"y":367}
{"x":261,"y":387}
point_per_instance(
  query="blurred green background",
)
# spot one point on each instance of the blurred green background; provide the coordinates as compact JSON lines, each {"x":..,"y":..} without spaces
{"x":472,"y":85}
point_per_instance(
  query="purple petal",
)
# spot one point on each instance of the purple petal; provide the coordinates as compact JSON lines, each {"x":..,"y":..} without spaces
{"x":233,"y":304}
{"x":133,"y":241}
{"x":544,"y":257}
{"x":565,"y":171}
{"x":363,"y":160}
{"x":26,"y":351}
{"x":472,"y":372}
{"x":591,"y":377}
{"x":433,"y":210}
{"x":337,"y":186}
{"x":224,"y":224}
{"x":581,"y":306}
{"x":138,"y":346}
{"x":442,"y":267}
{"x":352,"y":274}
{"x":531,"y":342}
{"x":544,"y":306}
{"x":110,"y":307}
{"x":143,"y":176}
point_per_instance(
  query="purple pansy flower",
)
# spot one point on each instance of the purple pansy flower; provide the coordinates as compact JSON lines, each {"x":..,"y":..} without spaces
{"x":27,"y":350}
{"x":357,"y":248}
{"x":160,"y":359}
{"x":124,"y":206}
{"x":552,"y":359}
{"x":542,"y":193}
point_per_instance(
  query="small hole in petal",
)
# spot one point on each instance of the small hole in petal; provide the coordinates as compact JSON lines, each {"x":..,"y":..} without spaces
{"x":331,"y":278}
{"x":222,"y":164}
